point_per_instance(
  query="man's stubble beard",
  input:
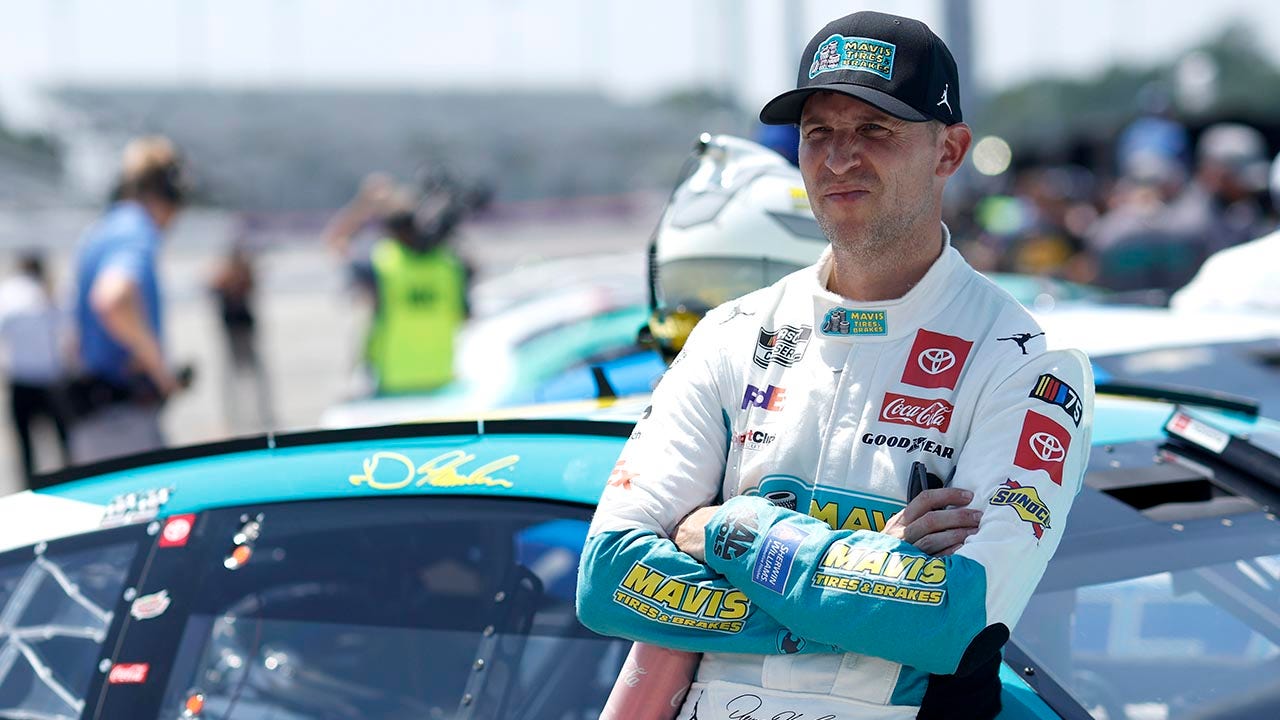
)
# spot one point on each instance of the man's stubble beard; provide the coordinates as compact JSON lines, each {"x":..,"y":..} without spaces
{"x":874,"y":242}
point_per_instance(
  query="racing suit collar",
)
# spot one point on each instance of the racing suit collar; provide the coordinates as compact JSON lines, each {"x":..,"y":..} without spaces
{"x":840,"y":319}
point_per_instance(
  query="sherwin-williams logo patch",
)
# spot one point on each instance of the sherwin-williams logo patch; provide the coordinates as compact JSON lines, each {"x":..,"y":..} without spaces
{"x":776,"y":556}
{"x":839,"y":52}
{"x":844,"y":321}
{"x":1026,"y":501}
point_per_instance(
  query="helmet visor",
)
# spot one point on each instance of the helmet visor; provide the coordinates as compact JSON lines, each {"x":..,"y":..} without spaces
{"x":698,"y":284}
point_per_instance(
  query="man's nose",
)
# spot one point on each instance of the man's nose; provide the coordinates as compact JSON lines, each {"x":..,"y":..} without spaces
{"x":844,"y":153}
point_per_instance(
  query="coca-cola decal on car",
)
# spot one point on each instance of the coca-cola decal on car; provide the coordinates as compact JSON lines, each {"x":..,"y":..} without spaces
{"x":916,"y":412}
{"x":128,"y":673}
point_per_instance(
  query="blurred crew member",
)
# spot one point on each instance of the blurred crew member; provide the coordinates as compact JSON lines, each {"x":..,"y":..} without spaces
{"x":119,"y":312}
{"x":417,"y":283}
{"x":31,"y":338}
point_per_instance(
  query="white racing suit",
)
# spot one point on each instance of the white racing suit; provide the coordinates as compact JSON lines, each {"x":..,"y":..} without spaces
{"x":803,"y":413}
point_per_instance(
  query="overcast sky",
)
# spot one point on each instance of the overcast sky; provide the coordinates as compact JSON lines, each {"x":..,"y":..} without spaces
{"x":630,"y":49}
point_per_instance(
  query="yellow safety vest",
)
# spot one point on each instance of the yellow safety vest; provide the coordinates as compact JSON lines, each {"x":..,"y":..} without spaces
{"x":420,"y":308}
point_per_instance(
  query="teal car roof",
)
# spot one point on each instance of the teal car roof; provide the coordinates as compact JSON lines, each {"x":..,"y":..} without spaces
{"x":565,"y":455}
{"x":561,"y":460}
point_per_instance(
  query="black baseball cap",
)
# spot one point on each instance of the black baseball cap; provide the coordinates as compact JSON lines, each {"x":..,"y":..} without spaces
{"x":894,"y":63}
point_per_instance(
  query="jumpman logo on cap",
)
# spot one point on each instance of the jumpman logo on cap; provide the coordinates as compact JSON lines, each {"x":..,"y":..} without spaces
{"x":943,"y":101}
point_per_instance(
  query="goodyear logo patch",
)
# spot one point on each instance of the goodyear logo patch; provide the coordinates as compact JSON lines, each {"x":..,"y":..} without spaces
{"x":880,"y":573}
{"x":845,"y":321}
{"x":840,"y":52}
{"x":1055,"y":392}
{"x":1026,"y":502}
{"x":651,"y":594}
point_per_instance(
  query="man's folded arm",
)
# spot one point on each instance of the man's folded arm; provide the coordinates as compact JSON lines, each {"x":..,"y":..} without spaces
{"x":873,"y":594}
{"x":633,"y":582}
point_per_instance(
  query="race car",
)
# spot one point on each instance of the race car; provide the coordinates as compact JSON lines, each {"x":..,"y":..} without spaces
{"x":429,"y":571}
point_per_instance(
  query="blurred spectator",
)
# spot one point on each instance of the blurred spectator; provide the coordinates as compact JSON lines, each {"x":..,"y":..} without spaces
{"x":1159,"y":231}
{"x":233,"y":287}
{"x":117,"y":399}
{"x":1221,"y":205}
{"x":1059,"y":212}
{"x":1245,"y":277}
{"x":1135,"y":245}
{"x":31,"y":340}
{"x":417,"y":284}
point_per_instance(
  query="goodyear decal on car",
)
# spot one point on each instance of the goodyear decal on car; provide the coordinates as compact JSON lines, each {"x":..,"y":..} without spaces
{"x":669,"y":600}
{"x":445,"y":471}
{"x":1026,"y":501}
{"x":840,"y":509}
{"x":882,"y":573}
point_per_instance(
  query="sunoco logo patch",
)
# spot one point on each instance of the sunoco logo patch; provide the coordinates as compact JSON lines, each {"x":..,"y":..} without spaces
{"x":854,"y":53}
{"x":1026,"y":501}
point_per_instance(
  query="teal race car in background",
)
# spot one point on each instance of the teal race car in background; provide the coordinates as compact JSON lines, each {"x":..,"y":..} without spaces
{"x":427,"y":571}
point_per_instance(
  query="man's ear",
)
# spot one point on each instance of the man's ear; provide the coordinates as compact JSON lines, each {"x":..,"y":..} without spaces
{"x":955,"y":145}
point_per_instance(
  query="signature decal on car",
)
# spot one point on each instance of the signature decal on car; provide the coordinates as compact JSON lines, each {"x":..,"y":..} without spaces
{"x":445,"y":471}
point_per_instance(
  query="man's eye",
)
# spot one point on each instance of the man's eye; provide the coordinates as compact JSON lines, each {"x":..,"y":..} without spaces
{"x":874,"y":130}
{"x":817,"y":131}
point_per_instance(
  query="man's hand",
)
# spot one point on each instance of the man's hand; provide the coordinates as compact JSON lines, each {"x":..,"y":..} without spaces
{"x":691,"y":533}
{"x":932,"y":524}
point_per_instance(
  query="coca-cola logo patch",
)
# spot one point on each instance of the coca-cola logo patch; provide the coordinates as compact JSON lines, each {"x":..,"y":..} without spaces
{"x":936,"y":360}
{"x":916,"y":412}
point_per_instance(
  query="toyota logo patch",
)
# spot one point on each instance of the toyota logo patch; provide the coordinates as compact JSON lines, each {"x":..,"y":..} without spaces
{"x":936,"y":360}
{"x":1043,"y":445}
{"x":1047,"y":448}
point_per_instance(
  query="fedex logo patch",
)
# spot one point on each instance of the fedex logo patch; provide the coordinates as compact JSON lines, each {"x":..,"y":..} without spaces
{"x":936,"y":360}
{"x":770,"y":398}
{"x":1042,"y":446}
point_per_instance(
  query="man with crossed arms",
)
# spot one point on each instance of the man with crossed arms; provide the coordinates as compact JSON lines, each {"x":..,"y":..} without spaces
{"x":763,"y":513}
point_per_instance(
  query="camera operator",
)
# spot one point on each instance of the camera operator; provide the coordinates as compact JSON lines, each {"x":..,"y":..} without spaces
{"x":417,"y":283}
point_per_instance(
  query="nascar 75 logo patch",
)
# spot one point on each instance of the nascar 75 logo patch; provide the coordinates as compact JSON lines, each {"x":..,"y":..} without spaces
{"x":1056,"y":392}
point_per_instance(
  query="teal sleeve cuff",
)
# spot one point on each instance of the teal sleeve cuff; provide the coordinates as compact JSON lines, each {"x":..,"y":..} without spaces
{"x":636,"y":585}
{"x":860,"y":591}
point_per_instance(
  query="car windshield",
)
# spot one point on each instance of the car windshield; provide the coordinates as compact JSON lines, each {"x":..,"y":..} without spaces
{"x":370,"y":609}
{"x":56,"y":608}
{"x":1162,"y":601}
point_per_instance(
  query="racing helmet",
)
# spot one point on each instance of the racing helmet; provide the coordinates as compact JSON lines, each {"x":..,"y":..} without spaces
{"x":737,"y":221}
